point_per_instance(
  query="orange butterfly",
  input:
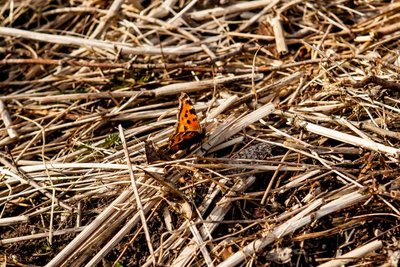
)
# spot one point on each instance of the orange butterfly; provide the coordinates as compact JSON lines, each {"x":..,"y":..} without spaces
{"x":188,"y":129}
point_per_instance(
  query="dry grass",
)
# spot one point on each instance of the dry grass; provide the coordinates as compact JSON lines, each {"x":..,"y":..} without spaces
{"x":299,"y":166}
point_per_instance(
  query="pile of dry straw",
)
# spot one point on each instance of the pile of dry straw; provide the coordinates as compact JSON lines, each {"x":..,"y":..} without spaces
{"x":299,"y":101}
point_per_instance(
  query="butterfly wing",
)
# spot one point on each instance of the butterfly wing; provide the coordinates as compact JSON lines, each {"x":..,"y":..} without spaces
{"x":184,"y":140}
{"x":188,"y":129}
{"x":187,"y":118}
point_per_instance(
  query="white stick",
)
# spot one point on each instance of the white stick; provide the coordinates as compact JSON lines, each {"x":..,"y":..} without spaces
{"x":347,"y":138}
{"x":137,"y":196}
{"x":354,"y":254}
{"x":5,"y":116}
{"x":102,"y":166}
{"x":235,"y":8}
{"x":280,"y":42}
{"x":77,"y":41}
{"x":188,"y":87}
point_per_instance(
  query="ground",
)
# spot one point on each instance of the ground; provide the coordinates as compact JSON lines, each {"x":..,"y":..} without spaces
{"x":295,"y":161}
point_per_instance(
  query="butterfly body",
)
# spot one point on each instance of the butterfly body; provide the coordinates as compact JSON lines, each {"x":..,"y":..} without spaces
{"x":154,"y":153}
{"x":188,"y":129}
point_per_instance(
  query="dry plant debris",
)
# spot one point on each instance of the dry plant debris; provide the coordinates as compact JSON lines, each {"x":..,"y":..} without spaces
{"x":299,"y":165}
